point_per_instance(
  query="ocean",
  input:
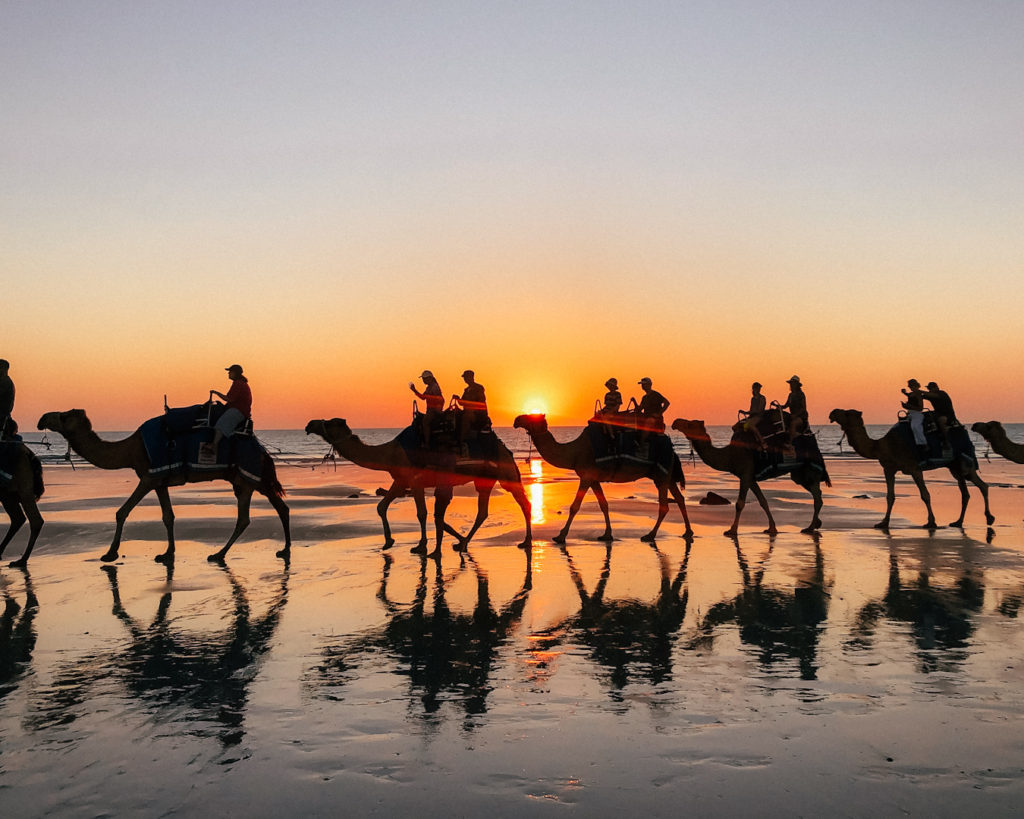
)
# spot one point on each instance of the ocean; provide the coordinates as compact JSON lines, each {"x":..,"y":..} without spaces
{"x":294,"y":447}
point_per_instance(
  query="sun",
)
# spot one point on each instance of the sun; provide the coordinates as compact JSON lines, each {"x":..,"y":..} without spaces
{"x":536,"y":406}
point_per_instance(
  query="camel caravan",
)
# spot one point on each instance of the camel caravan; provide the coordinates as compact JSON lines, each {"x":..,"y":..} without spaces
{"x":445,"y":446}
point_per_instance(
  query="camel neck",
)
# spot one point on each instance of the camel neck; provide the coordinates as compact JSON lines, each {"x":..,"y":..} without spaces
{"x":862,"y":443}
{"x":364,"y":455}
{"x":557,"y":454}
{"x":713,"y":456}
{"x":108,"y":454}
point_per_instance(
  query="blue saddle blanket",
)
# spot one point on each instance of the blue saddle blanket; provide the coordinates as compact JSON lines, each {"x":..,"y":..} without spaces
{"x":959,"y":441}
{"x":172,"y":442}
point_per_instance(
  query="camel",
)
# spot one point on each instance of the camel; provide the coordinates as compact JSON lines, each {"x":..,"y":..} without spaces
{"x":19,"y":494}
{"x":130,"y":453}
{"x":896,"y":454}
{"x":393,"y":458}
{"x":578,"y":455}
{"x":741,"y":460}
{"x":993,"y":432}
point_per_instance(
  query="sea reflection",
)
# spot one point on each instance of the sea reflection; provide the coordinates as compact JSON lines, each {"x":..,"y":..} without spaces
{"x":937,"y":598}
{"x":446,"y":655}
{"x":178,"y":672}
{"x":782,"y":621}
{"x":17,"y":635}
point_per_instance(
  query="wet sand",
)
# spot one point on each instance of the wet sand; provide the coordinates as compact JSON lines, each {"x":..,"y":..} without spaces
{"x":850,"y":673}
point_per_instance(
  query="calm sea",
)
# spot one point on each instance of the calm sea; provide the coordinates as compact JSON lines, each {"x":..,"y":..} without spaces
{"x":293,"y":446}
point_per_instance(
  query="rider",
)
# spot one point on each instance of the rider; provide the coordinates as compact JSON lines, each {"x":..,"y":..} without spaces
{"x":7,"y":425}
{"x":473,"y":404}
{"x":652,"y":407}
{"x":796,"y":403}
{"x":914,"y":405}
{"x":612,"y":398}
{"x":942,"y":405}
{"x":237,"y":408}
{"x":753,"y":415}
{"x":434,"y":399}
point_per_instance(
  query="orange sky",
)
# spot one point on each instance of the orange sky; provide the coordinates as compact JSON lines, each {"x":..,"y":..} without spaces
{"x":546,"y":197}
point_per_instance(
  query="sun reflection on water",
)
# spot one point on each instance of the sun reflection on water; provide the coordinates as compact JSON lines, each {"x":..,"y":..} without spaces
{"x":536,"y":491}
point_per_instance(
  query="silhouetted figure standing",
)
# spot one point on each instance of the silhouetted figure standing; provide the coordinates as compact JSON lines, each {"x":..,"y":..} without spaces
{"x":237,"y":407}
{"x":796,"y":403}
{"x":434,"y":399}
{"x":914,"y":405}
{"x":942,"y":404}
{"x":7,"y":425}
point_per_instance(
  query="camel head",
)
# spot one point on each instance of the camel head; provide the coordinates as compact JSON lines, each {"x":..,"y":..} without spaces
{"x":986,"y":429}
{"x":65,"y":423}
{"x":333,"y":430}
{"x":693,"y":430}
{"x":531,"y":423}
{"x":846,"y":418}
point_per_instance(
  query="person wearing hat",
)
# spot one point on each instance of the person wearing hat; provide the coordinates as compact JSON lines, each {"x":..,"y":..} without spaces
{"x":796,"y":403}
{"x":473,"y":404}
{"x":914,"y":405}
{"x":754,"y":414}
{"x":237,"y":408}
{"x":612,"y":398}
{"x":434,"y":399}
{"x":652,"y":406}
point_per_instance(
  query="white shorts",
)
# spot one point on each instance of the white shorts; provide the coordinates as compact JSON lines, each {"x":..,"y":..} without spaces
{"x":231,"y":420}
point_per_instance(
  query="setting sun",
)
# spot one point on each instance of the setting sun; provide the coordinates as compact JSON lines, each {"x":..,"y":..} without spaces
{"x":536,"y":406}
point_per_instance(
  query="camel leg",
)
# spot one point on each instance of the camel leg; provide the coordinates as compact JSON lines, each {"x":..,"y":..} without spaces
{"x":890,"y":497}
{"x":421,"y":515}
{"x":382,"y":509}
{"x":284,"y":513}
{"x":677,"y":496}
{"x":164,"y":496}
{"x":975,"y":478}
{"x":927,"y":498}
{"x":965,"y":498}
{"x":662,"y":511}
{"x":772,"y":529}
{"x":814,"y":487}
{"x":602,"y":502}
{"x":515,"y":489}
{"x":35,"y":526}
{"x":244,"y":495}
{"x":13,"y":509}
{"x":121,"y":516}
{"x":574,"y":507}
{"x":442,"y":497}
{"x":483,"y":498}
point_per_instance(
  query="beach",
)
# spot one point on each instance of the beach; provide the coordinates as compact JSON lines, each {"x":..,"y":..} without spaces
{"x":850,"y":672}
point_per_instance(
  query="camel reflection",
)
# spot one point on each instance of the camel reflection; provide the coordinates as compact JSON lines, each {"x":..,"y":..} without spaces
{"x":17,"y":636}
{"x":938,"y":608}
{"x":445,"y":655}
{"x":628,"y":638}
{"x":785,"y":624}
{"x":200,"y":679}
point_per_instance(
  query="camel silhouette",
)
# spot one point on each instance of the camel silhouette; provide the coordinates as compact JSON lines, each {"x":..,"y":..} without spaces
{"x":20,"y":491}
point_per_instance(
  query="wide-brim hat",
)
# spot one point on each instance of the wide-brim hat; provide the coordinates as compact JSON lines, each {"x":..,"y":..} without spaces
{"x":426,"y":374}
{"x":612,"y":384}
{"x":794,"y":380}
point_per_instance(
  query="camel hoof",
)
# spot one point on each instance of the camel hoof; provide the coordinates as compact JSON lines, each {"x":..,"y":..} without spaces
{"x":460,"y":547}
{"x":882,"y":524}
{"x":729,"y":533}
{"x":388,"y":544}
{"x":284,"y":554}
{"x":526,"y":544}
{"x":109,"y":557}
{"x":990,"y":518}
{"x":418,"y":550}
{"x":650,"y":537}
{"x":216,"y":557}
{"x":436,"y":554}
{"x":18,"y":564}
{"x":607,"y":536}
{"x":558,"y":539}
{"x":688,"y":534}
{"x":164,"y":558}
{"x":956,"y":524}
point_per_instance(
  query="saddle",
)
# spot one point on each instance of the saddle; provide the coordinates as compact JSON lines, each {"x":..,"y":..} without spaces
{"x":173,"y":443}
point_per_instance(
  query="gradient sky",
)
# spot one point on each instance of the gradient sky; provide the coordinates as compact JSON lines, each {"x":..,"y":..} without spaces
{"x":338,"y":195}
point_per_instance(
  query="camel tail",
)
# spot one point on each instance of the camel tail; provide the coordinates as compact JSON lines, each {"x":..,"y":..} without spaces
{"x":270,"y":482}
